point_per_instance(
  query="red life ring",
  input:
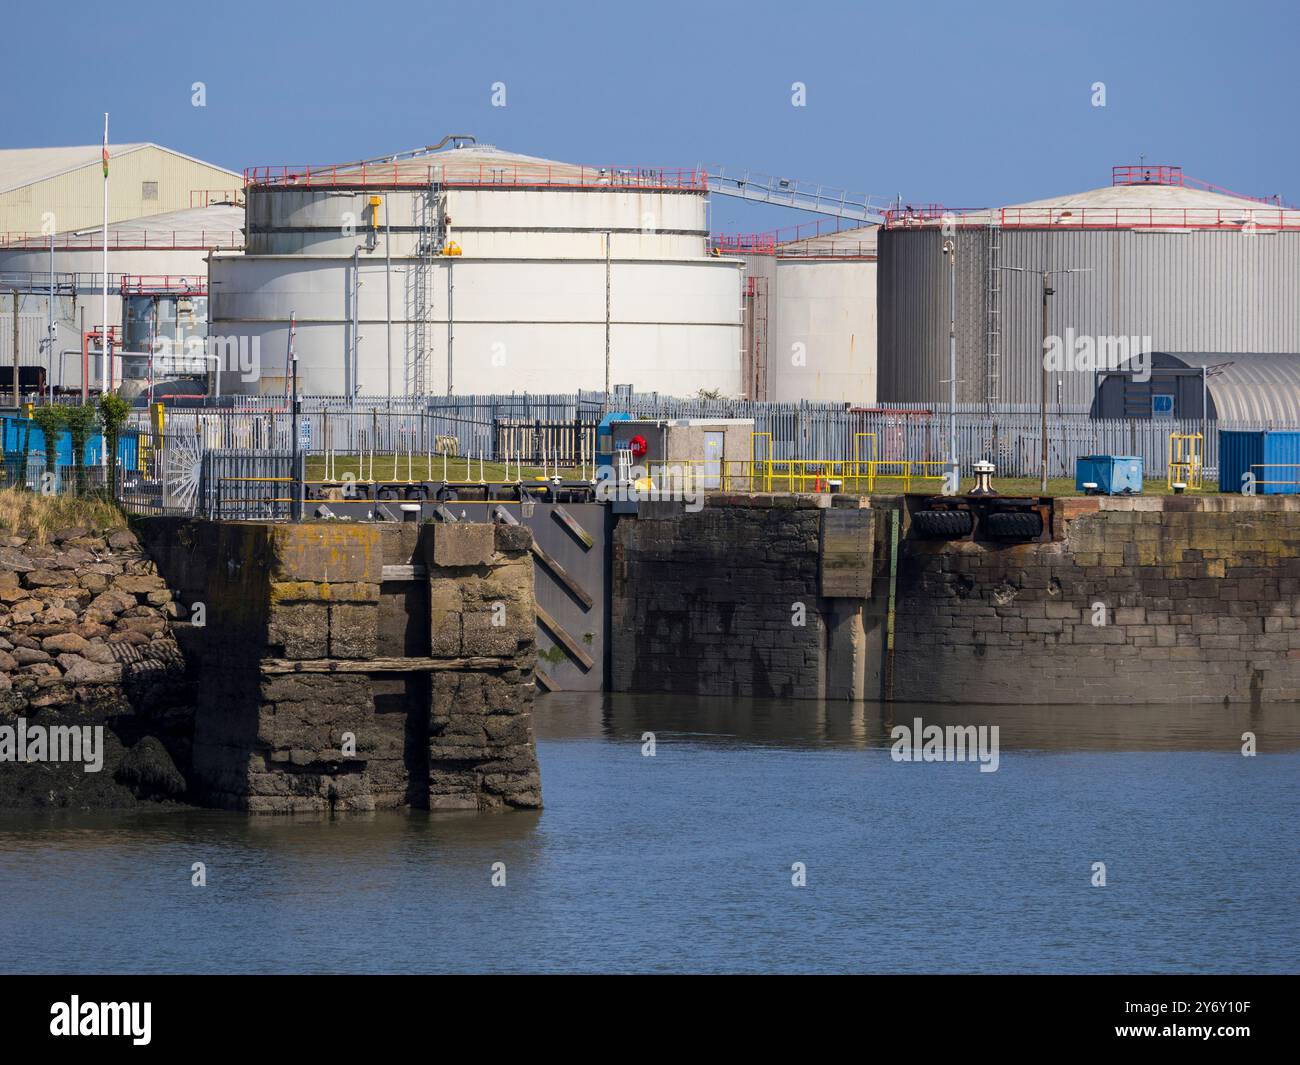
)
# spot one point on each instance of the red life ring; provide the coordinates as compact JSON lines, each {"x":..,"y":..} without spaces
{"x":637,"y":446}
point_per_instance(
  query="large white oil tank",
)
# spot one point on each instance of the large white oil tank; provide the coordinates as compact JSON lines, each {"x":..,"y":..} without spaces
{"x":473,"y":270}
{"x":810,"y":313}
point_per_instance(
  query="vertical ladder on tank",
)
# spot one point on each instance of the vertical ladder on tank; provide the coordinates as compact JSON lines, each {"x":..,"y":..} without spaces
{"x":993,"y":322}
{"x":427,"y":246}
{"x":756,"y":298}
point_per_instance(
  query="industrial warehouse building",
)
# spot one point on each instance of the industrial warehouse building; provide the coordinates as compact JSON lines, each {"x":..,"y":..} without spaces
{"x":1157,"y":255}
{"x":1248,"y":389}
{"x":68,"y":183}
{"x":473,"y":270}
{"x":810,"y":314}
{"x":167,"y":212}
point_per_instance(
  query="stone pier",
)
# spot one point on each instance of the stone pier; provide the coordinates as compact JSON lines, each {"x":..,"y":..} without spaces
{"x":358,"y":667}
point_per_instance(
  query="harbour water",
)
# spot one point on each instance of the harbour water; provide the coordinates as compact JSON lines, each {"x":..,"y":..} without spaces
{"x":686,"y":859}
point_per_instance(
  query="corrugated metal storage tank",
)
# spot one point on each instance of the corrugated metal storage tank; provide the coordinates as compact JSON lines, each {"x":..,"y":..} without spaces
{"x":497,"y":281}
{"x":1191,"y":267}
{"x":1271,"y":458}
{"x":810,"y":314}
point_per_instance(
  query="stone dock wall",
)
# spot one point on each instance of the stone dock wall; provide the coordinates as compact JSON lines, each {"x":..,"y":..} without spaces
{"x":753,"y":595}
{"x":358,"y":667}
{"x":1147,"y":599}
{"x":1155,"y":599}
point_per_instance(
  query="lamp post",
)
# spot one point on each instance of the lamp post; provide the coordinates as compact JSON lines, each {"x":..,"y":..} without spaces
{"x":1048,"y":292}
{"x":950,"y":250}
{"x":295,"y":504}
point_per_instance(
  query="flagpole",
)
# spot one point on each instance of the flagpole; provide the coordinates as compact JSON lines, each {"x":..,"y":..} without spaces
{"x":104,"y":346}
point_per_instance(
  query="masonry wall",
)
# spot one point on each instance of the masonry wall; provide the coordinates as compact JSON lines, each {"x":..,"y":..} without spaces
{"x":753,"y":595}
{"x":359,"y":667}
{"x":1199,"y":598}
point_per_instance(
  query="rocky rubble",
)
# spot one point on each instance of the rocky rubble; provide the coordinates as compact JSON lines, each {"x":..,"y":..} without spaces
{"x":87,"y":640}
{"x":84,"y":618}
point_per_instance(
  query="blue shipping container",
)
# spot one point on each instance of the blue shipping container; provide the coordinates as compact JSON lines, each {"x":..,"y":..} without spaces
{"x":1271,"y":459}
{"x":20,"y":432}
{"x":1112,"y":474}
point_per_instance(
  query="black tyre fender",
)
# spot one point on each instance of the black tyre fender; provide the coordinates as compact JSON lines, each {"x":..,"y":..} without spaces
{"x":1014,"y":525}
{"x":945,"y":524}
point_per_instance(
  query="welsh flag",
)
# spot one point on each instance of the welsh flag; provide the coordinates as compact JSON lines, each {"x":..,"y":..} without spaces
{"x":105,"y":155}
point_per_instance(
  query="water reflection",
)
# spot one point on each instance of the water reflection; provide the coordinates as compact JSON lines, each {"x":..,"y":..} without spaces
{"x":682,"y":862}
{"x":806,"y":723}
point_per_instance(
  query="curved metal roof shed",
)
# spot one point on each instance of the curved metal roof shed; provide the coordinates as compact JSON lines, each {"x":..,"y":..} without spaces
{"x":1253,"y":389}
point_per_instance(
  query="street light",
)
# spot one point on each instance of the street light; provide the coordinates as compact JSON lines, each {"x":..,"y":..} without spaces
{"x":1048,"y":291}
{"x":950,"y":250}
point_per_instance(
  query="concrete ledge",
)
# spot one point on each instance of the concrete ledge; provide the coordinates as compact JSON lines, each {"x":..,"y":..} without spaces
{"x":1209,"y":503}
{"x":310,"y":591}
{"x":462,"y":544}
{"x":326,"y":553}
{"x":770,"y":500}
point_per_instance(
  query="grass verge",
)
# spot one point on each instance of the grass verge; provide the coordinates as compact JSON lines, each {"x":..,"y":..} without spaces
{"x":34,"y":515}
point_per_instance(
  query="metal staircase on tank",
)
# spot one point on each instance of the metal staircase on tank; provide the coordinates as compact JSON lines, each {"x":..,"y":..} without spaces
{"x":993,"y":321}
{"x":428,"y":246}
{"x":800,"y":195}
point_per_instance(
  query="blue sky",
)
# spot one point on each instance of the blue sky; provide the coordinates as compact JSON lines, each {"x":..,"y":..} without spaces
{"x":962,"y":104}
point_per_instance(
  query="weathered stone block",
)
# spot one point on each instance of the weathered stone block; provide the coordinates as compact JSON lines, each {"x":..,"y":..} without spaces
{"x":333,"y":553}
{"x":354,"y":630}
{"x":461,"y":544}
{"x":512,"y":539}
{"x":446,"y":603}
{"x":302,"y":629}
{"x":480,"y":636}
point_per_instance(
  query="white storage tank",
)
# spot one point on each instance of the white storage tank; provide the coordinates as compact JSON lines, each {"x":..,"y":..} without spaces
{"x":499,"y":273}
{"x":810,"y":313}
{"x":158,"y":283}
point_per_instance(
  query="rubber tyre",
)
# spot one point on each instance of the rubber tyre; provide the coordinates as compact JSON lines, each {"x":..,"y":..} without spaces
{"x":1014,"y":525}
{"x":943,"y":524}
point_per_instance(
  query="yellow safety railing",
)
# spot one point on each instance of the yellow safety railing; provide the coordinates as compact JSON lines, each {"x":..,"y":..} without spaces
{"x":793,"y":475}
{"x":1185,"y":460}
{"x":714,"y":475}
{"x":150,"y":445}
{"x":812,"y":475}
{"x":1293,"y":482}
{"x":906,"y":471}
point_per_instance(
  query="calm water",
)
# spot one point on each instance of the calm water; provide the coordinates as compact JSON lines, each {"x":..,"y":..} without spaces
{"x":682,"y":862}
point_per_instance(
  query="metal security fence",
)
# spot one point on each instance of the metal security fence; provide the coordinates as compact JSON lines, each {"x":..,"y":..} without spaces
{"x":233,"y":460}
{"x":566,"y":443}
{"x":1013,"y":442}
{"x":29,"y":470}
{"x":246,"y":485}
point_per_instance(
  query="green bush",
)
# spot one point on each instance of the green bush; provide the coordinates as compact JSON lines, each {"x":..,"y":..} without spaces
{"x":113,"y":412}
{"x":51,"y":421}
{"x":81,"y":422}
